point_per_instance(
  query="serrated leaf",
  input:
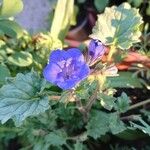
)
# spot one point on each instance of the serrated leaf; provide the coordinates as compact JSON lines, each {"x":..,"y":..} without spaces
{"x":116,"y":125}
{"x":98,"y":124}
{"x":4,"y":72}
{"x":21,"y":98}
{"x":124,"y":80}
{"x":106,"y":101}
{"x":21,"y":59}
{"x":122,"y":103}
{"x":56,"y":138}
{"x":78,"y":146}
{"x":10,"y":28}
{"x":10,"y":8}
{"x":118,"y":26}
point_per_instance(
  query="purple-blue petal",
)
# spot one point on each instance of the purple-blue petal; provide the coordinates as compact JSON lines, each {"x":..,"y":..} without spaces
{"x":57,"y":55}
{"x":96,"y":50}
{"x":66,"y":68}
{"x":84,"y":71}
{"x":68,"y":84}
{"x":51,"y":71}
{"x":76,"y":54}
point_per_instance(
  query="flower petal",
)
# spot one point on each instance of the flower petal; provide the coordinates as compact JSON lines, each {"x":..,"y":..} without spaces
{"x":75,"y":53}
{"x":68,"y":84}
{"x":51,"y":71}
{"x":84,"y":72}
{"x":58,"y":55}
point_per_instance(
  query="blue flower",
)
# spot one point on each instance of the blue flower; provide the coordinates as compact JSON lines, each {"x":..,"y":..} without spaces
{"x":66,"y":68}
{"x":96,"y":51}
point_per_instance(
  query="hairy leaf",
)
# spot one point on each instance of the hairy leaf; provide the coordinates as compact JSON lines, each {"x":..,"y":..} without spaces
{"x":56,"y":138}
{"x":106,"y":101}
{"x":115,"y":124}
{"x":21,"y":59}
{"x":118,"y":26}
{"x":125,"y":79}
{"x":21,"y":98}
{"x":98,"y":124}
{"x":122,"y":103}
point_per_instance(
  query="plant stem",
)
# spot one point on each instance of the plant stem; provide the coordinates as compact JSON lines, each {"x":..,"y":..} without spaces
{"x":92,"y":99}
{"x":81,"y":109}
{"x":111,"y":52}
{"x":139,"y":104}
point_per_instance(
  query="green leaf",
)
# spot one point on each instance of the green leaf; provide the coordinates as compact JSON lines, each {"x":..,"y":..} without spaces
{"x":136,"y":3}
{"x":81,"y":1}
{"x":10,"y":28}
{"x":144,"y":127}
{"x":21,"y":59}
{"x":100,"y":4}
{"x":56,"y":138}
{"x":124,"y":80}
{"x":118,"y":26}
{"x":106,"y":101}
{"x":130,"y":134}
{"x":122,"y":103}
{"x":22,"y":98}
{"x":10,"y":8}
{"x":116,"y":125}
{"x":98,"y":124}
{"x":4,"y":72}
{"x":64,"y":12}
{"x":78,"y":146}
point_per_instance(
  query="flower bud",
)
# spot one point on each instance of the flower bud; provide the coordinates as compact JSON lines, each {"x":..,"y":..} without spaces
{"x":96,"y":51}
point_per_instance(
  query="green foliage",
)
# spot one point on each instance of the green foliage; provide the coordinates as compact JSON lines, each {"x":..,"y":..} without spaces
{"x":4,"y":73}
{"x":10,"y":28}
{"x":122,"y":103}
{"x":145,"y":127}
{"x":21,"y":59}
{"x":115,"y":124}
{"x":135,"y":3}
{"x":118,"y":26}
{"x":100,"y":5}
{"x":78,"y":146}
{"x":101,"y":125}
{"x":125,"y":79}
{"x":62,"y":18}
{"x":56,"y":138}
{"x":49,"y":116}
{"x":28,"y":51}
{"x":22,"y":98}
{"x":10,"y":8}
{"x":104,"y":123}
{"x":106,"y":101}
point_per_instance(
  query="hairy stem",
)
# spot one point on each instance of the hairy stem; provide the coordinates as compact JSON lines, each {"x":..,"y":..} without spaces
{"x":111,"y":52}
{"x":139,"y":104}
{"x":81,"y":109}
{"x":92,"y":99}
